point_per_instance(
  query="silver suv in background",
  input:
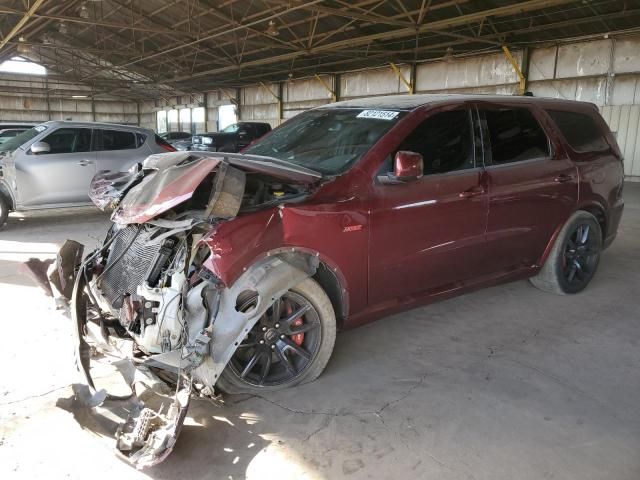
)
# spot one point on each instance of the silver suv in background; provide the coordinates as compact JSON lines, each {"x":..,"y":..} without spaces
{"x":52,"y":164}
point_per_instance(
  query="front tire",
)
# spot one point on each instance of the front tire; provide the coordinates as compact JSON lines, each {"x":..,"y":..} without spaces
{"x":574,"y":258}
{"x":290,"y":344}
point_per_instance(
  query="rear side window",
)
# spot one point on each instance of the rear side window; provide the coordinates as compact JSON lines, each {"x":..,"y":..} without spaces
{"x":69,"y":140}
{"x":118,"y":140}
{"x":515,"y":136}
{"x":580,"y":130}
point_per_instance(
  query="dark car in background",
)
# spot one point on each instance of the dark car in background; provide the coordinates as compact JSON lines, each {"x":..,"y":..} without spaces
{"x":173,"y":136}
{"x":233,"y":138}
{"x":179,"y":140}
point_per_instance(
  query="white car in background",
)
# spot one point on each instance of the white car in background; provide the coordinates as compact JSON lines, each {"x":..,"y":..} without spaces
{"x":52,"y":164}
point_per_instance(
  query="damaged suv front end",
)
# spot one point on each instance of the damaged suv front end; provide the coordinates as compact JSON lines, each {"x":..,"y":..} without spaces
{"x":151,"y":288}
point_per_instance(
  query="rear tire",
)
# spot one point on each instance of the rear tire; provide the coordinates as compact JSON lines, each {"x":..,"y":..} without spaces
{"x":574,"y":258}
{"x":4,"y":211}
{"x":319,"y":323}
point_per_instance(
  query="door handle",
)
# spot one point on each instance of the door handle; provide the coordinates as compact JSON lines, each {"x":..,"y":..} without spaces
{"x":563,"y":178}
{"x":472,"y":192}
{"x":84,"y":163}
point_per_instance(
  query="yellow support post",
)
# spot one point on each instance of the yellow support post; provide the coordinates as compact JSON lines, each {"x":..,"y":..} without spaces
{"x":402,"y":78}
{"x":327,"y":87}
{"x":523,"y":81}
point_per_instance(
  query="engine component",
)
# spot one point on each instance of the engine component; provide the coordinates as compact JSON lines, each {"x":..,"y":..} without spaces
{"x":130,"y":258}
{"x":161,"y":261}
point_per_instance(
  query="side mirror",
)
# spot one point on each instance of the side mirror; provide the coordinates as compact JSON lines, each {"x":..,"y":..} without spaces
{"x":242,"y":133}
{"x":40,"y":147}
{"x":408,"y":166}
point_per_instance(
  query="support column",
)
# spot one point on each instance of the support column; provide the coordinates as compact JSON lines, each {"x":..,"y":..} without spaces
{"x":281,"y":101}
{"x":277,"y":96}
{"x":238,"y":105}
{"x":331,"y":91}
{"x":522,"y":79}
{"x":402,"y":78}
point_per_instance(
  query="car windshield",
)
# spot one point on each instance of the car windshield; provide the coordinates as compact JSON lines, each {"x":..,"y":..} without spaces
{"x":13,"y":143}
{"x":231,"y":128}
{"x":329,"y":140}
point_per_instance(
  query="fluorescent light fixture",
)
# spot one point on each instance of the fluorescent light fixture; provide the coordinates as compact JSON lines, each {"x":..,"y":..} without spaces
{"x":79,"y":96}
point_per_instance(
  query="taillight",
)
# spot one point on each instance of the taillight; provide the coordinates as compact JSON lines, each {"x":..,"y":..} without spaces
{"x":165,"y":145}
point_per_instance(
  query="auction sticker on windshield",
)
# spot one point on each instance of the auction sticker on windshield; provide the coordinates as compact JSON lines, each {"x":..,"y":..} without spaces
{"x":378,"y":114}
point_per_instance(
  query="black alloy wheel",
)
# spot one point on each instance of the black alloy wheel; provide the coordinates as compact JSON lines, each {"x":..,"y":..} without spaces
{"x":282,"y":344}
{"x":581,"y":255}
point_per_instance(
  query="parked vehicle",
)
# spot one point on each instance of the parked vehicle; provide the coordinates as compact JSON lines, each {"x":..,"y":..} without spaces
{"x":52,"y":164}
{"x":234,"y":272}
{"x":7,"y":133}
{"x":172,"y":136}
{"x":233,"y":138}
{"x":179,"y":140}
{"x":9,"y":130}
{"x":24,"y":125}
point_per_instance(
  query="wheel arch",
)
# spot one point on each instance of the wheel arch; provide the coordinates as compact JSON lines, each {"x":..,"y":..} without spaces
{"x":593,"y":208}
{"x":599,"y":212}
{"x":327,"y":274}
{"x":5,"y":192}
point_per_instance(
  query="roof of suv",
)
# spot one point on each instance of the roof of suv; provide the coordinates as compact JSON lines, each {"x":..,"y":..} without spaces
{"x":411,"y":102}
{"x":67,"y":123}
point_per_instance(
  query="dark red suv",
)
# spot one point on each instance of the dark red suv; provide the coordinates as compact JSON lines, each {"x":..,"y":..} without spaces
{"x":234,"y":270}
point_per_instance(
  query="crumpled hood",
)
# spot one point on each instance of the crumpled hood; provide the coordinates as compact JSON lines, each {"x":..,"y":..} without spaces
{"x":166,"y":180}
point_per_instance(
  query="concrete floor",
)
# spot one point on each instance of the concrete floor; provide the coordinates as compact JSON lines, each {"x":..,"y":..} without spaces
{"x":507,"y":382}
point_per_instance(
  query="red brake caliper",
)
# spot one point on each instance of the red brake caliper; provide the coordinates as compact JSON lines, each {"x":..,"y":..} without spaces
{"x":298,"y":338}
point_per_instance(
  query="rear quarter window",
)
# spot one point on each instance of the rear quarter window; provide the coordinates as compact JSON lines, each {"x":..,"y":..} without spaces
{"x":118,"y":140}
{"x":580,"y":130}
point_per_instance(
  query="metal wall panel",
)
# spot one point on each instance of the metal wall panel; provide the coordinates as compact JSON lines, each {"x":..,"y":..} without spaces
{"x":624,"y":121}
{"x":307,"y":89}
{"x":626,"y":58}
{"x":381,"y":81}
{"x":584,"y":59}
{"x":583,"y":89}
{"x":542,"y":63}
{"x":625,"y":90}
{"x":469,"y":72}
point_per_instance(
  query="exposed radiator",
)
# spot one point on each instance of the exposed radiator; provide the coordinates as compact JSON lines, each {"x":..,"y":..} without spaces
{"x":123,"y":275}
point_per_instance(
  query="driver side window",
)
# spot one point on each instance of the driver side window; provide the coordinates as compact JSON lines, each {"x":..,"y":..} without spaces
{"x":445,"y":142}
{"x":69,"y":140}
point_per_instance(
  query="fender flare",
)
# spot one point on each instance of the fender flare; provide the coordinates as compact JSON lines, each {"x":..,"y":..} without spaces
{"x":587,"y":207}
{"x":269,"y":278}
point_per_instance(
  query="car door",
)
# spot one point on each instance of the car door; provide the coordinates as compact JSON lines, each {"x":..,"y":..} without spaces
{"x":60,"y":176}
{"x":428,"y":235}
{"x":533,"y":186}
{"x":119,"y":150}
